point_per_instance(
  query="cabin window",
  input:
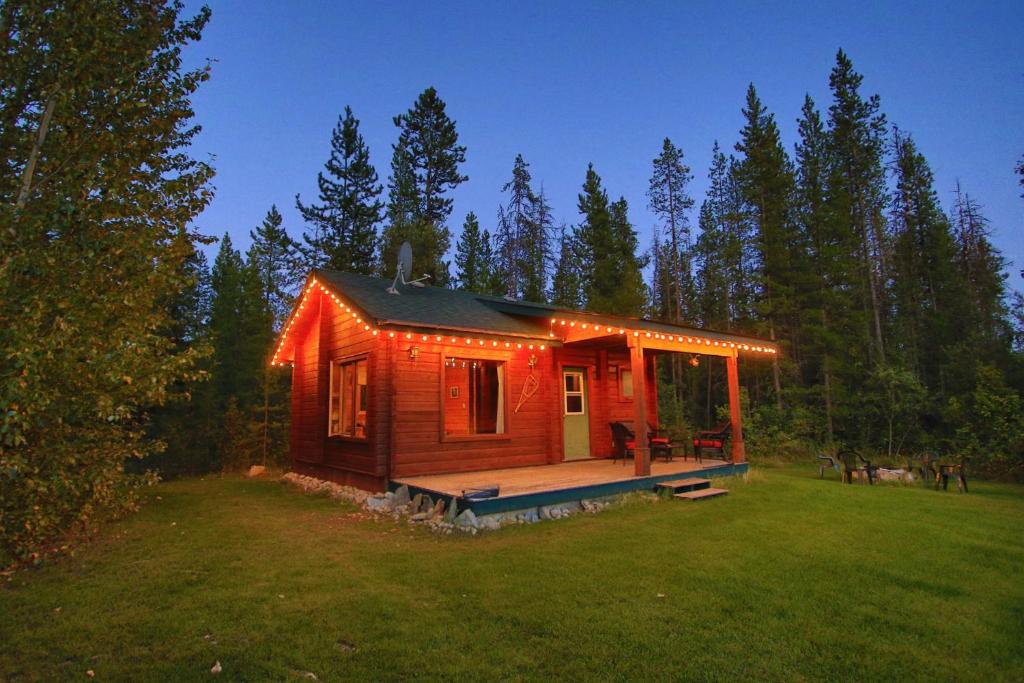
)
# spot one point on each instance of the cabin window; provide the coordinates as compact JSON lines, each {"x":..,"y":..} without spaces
{"x":625,"y":383}
{"x":347,"y":404}
{"x":573,"y":393}
{"x":474,"y":397}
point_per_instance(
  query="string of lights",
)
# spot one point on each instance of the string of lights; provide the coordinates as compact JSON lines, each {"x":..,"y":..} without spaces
{"x":477,"y":343}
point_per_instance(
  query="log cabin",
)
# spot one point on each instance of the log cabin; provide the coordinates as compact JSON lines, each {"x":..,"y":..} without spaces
{"x":389,"y":387}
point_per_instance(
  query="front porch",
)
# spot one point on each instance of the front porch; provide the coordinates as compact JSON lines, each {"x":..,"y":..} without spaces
{"x":528,"y":487}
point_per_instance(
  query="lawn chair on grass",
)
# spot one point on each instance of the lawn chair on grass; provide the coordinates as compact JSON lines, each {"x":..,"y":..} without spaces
{"x":958,"y":470}
{"x":828,"y":462}
{"x":862,"y":468}
{"x":925,"y":465}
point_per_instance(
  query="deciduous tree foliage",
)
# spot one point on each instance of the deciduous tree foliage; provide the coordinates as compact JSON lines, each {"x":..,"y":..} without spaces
{"x":96,"y":191}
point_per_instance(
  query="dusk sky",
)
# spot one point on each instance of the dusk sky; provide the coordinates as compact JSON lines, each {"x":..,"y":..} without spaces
{"x":565,"y":84}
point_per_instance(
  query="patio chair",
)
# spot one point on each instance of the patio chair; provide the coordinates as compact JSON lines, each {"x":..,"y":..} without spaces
{"x":712,"y":439}
{"x":925,"y":465}
{"x":623,"y":442}
{"x":662,"y":445}
{"x":851,"y":466}
{"x":958,"y":470}
{"x":828,"y":462}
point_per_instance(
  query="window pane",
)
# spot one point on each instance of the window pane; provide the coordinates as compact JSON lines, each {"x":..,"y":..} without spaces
{"x":626,"y":381}
{"x":572,"y":383}
{"x":360,"y":403}
{"x":347,"y":394}
{"x":574,"y":404}
{"x":334,"y":409}
{"x":474,"y":396}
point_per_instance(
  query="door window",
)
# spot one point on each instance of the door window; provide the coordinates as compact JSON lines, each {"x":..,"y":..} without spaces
{"x":574,"y":403}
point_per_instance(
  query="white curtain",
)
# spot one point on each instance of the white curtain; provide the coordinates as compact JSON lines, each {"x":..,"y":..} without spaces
{"x":499,"y":427}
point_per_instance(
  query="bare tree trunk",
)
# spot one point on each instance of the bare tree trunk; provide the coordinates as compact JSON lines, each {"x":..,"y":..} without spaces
{"x":37,"y":145}
{"x":266,"y":414}
{"x":776,"y":374}
{"x":827,"y":372}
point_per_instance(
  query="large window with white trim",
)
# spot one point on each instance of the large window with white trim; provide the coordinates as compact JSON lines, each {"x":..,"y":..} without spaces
{"x":347,"y":404}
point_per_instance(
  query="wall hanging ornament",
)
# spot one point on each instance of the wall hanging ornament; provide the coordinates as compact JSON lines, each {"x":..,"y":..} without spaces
{"x":530,"y":386}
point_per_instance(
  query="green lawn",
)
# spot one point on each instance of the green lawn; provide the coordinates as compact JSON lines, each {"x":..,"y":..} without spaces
{"x":787,"y":578}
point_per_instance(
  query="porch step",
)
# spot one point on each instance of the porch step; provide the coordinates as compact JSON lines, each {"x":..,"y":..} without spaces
{"x":679,"y":485}
{"x":701,"y":494}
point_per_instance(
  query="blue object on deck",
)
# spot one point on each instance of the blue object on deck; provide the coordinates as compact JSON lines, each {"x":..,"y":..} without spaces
{"x":481,"y":492}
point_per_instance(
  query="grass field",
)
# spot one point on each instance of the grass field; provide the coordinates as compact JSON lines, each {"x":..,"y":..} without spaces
{"x":787,"y":578}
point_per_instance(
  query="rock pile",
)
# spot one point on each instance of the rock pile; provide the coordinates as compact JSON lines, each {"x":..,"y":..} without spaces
{"x":441,"y":516}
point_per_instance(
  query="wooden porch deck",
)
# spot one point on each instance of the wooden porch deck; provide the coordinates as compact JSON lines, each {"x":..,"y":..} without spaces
{"x":524,"y":487}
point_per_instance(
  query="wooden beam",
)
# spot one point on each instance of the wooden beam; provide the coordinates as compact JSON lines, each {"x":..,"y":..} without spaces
{"x":642,"y":453}
{"x":739,"y":453}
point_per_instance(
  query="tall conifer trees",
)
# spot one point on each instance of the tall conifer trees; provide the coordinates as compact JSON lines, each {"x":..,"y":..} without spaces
{"x":424,"y":170}
{"x":475,"y":261}
{"x":610,"y":269}
{"x":343,"y":226}
{"x":765,"y":182}
{"x":523,"y":238}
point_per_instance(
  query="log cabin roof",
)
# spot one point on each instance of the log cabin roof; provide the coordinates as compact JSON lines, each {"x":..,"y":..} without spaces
{"x":452,"y":309}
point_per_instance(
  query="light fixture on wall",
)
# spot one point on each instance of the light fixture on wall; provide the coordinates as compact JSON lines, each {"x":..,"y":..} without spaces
{"x":414,"y":352}
{"x":694,"y":360}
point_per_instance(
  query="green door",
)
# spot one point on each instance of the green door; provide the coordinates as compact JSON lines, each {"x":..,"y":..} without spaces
{"x":575,"y":421}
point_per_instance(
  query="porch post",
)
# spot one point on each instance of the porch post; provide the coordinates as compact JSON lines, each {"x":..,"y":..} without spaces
{"x":642,"y":454}
{"x":739,"y":452}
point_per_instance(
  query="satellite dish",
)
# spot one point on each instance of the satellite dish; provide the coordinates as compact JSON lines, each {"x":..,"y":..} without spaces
{"x":404,"y":270}
{"x":405,"y":261}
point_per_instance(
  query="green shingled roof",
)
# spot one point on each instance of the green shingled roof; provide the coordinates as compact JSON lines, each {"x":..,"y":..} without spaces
{"x":435,"y":307}
{"x":450,"y":309}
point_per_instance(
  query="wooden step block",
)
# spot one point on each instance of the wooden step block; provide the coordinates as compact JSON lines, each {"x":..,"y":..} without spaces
{"x":700,"y":494}
{"x":691,"y":484}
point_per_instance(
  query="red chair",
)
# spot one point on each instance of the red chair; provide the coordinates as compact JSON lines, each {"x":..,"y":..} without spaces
{"x":714,"y":439}
{"x":624,"y":442}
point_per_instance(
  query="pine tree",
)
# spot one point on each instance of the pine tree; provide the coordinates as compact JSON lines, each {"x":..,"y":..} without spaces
{"x":537,"y":249}
{"x":723,"y":250}
{"x":274,"y":255}
{"x":567,"y":282}
{"x":598,"y":267}
{"x":475,"y":260}
{"x":239,"y":328}
{"x":97,"y":188}
{"x":523,"y":238}
{"x":274,"y":259}
{"x":671,"y":202}
{"x":344,"y":223}
{"x":980,"y":263}
{"x":825,"y":305}
{"x":765,"y":180}
{"x":514,"y":220}
{"x":925,"y":281}
{"x":424,"y":169}
{"x":857,"y":193}
{"x":631,"y":294}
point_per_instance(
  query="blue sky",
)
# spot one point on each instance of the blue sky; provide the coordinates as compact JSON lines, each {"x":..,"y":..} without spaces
{"x":567,"y":83}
